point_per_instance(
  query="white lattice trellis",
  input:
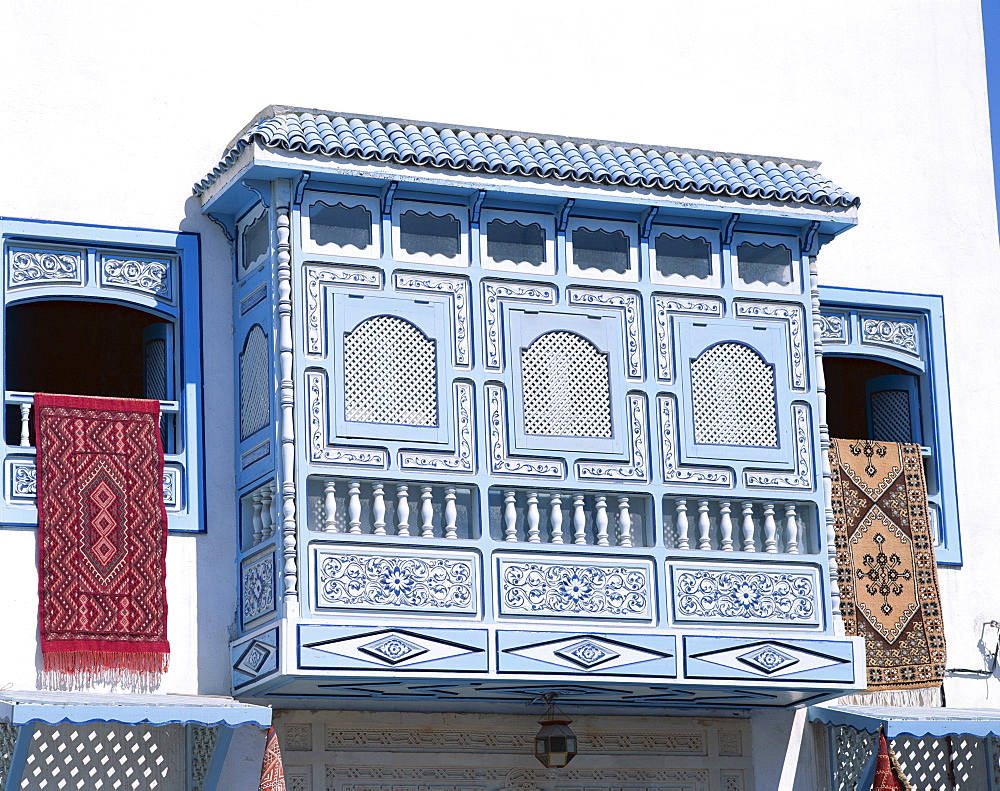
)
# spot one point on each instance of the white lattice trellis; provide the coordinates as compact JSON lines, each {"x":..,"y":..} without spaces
{"x":566,"y":387}
{"x":201,"y":745}
{"x":891,"y":416}
{"x":105,"y":756}
{"x":946,"y":763}
{"x":733,"y":392}
{"x":852,"y":750}
{"x":8,"y":736}
{"x":255,"y":398}
{"x":390,"y":374}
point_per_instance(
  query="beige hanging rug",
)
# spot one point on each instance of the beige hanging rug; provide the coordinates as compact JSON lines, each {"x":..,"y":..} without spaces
{"x":885,"y":561}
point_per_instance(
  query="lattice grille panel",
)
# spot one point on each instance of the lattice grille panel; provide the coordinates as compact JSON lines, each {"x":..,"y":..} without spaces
{"x":567,"y":391}
{"x":853,"y":749}
{"x":105,"y":756}
{"x":255,"y":396}
{"x":155,"y":370}
{"x":946,"y":764}
{"x":734,"y":397}
{"x":8,"y":736}
{"x":201,"y":745}
{"x":390,"y":374}
{"x":891,"y":416}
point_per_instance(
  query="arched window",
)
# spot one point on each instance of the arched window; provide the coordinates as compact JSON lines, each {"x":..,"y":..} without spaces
{"x":566,"y":387}
{"x":255,"y":398}
{"x":390,"y":374}
{"x":734,"y":398}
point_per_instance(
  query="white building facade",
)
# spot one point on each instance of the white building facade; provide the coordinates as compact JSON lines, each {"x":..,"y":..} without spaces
{"x":396,"y":520}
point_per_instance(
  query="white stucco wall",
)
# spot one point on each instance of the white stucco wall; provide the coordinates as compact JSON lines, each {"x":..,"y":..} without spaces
{"x":109,"y":112}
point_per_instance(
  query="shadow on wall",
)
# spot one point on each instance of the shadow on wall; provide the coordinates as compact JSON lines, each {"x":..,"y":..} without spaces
{"x":215,"y":592}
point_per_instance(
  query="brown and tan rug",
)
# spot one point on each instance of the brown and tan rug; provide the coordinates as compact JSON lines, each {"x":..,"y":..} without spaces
{"x":885,"y":561}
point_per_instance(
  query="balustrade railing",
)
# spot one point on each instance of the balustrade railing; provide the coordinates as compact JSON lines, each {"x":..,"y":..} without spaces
{"x":391,"y":508}
{"x":716,"y":524}
{"x":20,"y":430}
{"x":559,"y":517}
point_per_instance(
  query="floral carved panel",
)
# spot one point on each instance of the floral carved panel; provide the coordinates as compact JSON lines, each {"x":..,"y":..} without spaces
{"x":428,"y":583}
{"x":732,"y":594}
{"x":554,"y":587}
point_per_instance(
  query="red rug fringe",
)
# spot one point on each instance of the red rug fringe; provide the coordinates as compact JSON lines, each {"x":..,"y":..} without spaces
{"x":97,"y":662}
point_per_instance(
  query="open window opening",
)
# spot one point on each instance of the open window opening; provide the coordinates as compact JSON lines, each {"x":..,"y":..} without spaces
{"x":873,"y":399}
{"x":86,"y":348}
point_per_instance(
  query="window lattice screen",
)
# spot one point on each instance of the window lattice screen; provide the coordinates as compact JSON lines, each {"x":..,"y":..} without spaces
{"x":891,"y":416}
{"x":734,"y":397}
{"x":155,"y":370}
{"x":566,"y":387}
{"x":255,"y":398}
{"x":853,"y":749}
{"x":101,"y":757}
{"x":390,"y":374}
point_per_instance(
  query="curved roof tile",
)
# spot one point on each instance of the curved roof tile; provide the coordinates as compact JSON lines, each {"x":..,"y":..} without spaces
{"x":562,"y":160}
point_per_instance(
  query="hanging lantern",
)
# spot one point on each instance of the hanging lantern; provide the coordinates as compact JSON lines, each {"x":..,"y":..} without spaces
{"x":555,"y":743}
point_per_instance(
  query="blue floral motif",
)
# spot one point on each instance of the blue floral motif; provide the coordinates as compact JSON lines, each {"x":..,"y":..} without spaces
{"x":603,"y":591}
{"x":742,"y":595}
{"x":396,"y":582}
{"x":258,"y":589}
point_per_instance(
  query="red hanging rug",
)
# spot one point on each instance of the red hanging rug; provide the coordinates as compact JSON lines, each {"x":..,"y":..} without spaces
{"x":102,"y":543}
{"x":272,"y":772}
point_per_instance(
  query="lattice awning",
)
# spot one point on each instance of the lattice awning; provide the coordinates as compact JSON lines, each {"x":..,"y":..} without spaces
{"x":53,"y":708}
{"x":917,"y":722}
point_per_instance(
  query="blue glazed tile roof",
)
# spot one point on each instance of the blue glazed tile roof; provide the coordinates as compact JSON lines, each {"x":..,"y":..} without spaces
{"x":521,"y":154}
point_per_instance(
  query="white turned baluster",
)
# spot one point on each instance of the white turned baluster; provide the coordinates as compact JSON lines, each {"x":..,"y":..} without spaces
{"x":402,"y":510}
{"x":579,"y":520}
{"x":726,"y":527}
{"x":601,"y":520}
{"x":682,"y":524}
{"x":258,"y":525}
{"x":354,"y":507}
{"x":556,"y":517}
{"x":450,"y":513}
{"x":510,"y":516}
{"x":266,"y":523}
{"x":378,"y":509}
{"x":427,"y":512}
{"x":624,"y":522}
{"x":25,"y":423}
{"x":704,"y":526}
{"x":791,"y":530}
{"x":770,"y":529}
{"x":534,"y":536}
{"x":749,"y":528}
{"x":330,"y":506}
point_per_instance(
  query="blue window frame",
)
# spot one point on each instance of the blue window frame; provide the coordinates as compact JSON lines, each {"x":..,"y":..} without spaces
{"x":898,"y":375}
{"x":122,"y":306}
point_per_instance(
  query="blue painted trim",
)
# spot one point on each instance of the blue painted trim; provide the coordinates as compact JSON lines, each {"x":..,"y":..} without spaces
{"x":919,"y":723}
{"x":91,"y":708}
{"x":19,"y":758}
{"x":937,"y":422}
{"x":222,"y":741}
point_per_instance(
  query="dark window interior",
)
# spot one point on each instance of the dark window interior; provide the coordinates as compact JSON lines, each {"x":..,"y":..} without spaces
{"x":604,"y":250}
{"x":511,"y":241}
{"x":255,"y":241}
{"x":430,"y":234}
{"x":74,"y":347}
{"x":683,"y":256}
{"x":846,"y":408}
{"x":762,"y":263}
{"x":340,"y":225}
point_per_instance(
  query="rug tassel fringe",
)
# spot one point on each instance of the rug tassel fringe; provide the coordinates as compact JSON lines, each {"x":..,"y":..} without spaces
{"x":69,"y":670}
{"x":923,"y":698}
